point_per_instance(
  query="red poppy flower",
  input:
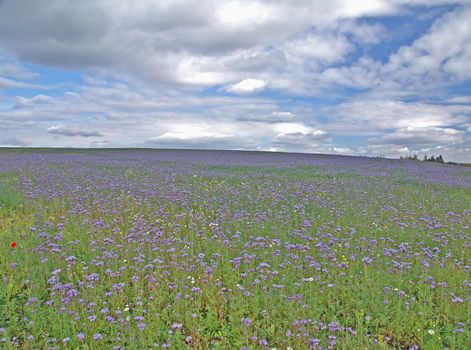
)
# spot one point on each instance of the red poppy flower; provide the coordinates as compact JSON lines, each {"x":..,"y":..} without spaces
{"x":12,"y":244}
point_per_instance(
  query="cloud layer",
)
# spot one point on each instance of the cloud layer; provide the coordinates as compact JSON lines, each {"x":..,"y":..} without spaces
{"x":307,"y":76}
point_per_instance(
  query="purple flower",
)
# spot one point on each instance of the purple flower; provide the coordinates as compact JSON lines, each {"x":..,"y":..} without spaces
{"x":97,"y":336}
{"x":32,"y":300}
{"x":71,"y":293}
{"x":118,"y":286}
{"x":196,"y":290}
{"x":177,"y":325}
{"x":94,"y":277}
{"x":246,"y":321}
{"x":263,"y":342}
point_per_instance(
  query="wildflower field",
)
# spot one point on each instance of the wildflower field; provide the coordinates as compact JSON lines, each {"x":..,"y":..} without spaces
{"x":144,"y":249}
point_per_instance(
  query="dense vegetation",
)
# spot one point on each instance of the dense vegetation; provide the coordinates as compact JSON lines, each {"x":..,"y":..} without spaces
{"x":231,"y":250}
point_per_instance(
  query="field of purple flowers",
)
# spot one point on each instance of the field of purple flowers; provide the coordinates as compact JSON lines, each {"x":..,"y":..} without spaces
{"x":142,"y":249}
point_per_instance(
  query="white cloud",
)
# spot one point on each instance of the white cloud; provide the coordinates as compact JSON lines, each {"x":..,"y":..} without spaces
{"x":365,"y":7}
{"x":363,"y":75}
{"x":428,"y":66}
{"x":446,"y":46}
{"x":192,"y":71}
{"x":322,"y":47}
{"x":235,"y":14}
{"x":381,"y":115}
{"x":20,"y":101}
{"x":423,"y":136}
{"x":342,"y":150}
{"x":248,"y":85}
{"x":298,"y":141}
{"x":460,"y":99}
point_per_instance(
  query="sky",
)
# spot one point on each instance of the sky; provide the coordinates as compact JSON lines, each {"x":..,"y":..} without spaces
{"x":356,"y":77}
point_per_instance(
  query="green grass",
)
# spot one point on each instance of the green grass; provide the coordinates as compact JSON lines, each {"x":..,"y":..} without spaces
{"x":10,"y":194}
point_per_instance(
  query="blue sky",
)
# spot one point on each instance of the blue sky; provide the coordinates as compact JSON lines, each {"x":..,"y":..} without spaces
{"x":372,"y":77}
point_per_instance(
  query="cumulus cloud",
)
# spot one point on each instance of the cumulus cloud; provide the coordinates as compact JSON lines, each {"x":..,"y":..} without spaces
{"x":425,"y":136}
{"x":460,"y":99}
{"x":389,"y":114}
{"x":301,"y":141}
{"x":243,"y":14}
{"x":323,"y":48}
{"x":21,"y":102}
{"x":300,"y":137}
{"x":445,"y":48}
{"x":247,"y":86}
{"x":430,"y":63}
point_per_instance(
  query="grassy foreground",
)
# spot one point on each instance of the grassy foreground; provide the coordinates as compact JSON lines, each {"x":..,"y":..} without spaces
{"x":118,"y":251}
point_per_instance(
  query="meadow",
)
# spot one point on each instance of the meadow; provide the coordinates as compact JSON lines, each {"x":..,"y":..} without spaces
{"x":155,"y":249}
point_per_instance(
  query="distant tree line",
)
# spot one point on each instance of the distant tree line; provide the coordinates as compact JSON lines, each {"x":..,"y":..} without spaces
{"x":438,"y":159}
